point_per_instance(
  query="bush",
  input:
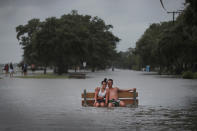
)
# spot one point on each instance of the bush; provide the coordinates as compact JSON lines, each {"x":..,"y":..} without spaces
{"x":195,"y":75}
{"x":188,"y":75}
{"x":135,"y":67}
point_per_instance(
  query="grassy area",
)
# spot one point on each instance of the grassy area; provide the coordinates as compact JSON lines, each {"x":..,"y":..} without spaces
{"x":189,"y":75}
{"x":42,"y":76}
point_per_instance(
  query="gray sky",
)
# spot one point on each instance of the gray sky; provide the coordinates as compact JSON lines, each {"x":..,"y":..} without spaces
{"x":130,"y":18}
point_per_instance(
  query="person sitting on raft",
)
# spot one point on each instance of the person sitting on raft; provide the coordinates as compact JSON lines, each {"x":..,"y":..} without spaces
{"x":113,"y":95}
{"x":101,"y":95}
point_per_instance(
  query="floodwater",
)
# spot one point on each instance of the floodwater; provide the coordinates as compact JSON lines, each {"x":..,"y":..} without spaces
{"x":165,"y":103}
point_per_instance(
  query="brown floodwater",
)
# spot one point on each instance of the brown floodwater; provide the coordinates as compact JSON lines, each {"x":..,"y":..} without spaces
{"x":165,"y":103}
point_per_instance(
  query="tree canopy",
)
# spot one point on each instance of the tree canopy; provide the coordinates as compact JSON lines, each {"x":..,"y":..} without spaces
{"x":68,"y":41}
{"x":169,"y":46}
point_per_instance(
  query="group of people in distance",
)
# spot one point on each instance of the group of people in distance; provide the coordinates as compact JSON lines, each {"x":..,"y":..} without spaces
{"x":108,"y":96}
{"x":9,"y":69}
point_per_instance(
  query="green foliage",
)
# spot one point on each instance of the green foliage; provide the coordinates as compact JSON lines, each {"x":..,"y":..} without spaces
{"x":127,"y":60}
{"x":148,"y":45}
{"x":68,"y":41}
{"x":25,"y":34}
{"x":188,"y":75}
{"x":195,"y":75}
{"x":171,"y":46}
{"x":134,"y":67}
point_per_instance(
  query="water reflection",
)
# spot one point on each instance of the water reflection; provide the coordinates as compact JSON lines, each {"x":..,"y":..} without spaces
{"x":45,"y":104}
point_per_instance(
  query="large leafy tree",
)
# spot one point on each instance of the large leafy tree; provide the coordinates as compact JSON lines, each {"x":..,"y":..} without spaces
{"x":171,"y":46}
{"x":25,"y":34}
{"x":147,"y":46}
{"x":68,"y":41}
{"x":45,"y":41}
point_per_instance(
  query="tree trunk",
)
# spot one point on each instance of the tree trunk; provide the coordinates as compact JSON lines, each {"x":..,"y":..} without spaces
{"x":62,"y":68}
{"x":93,"y":69}
{"x":75,"y":68}
{"x":45,"y":70}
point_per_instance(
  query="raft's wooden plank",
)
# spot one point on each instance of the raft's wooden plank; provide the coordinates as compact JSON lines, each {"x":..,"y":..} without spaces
{"x":127,"y":102}
{"x":120,"y":95}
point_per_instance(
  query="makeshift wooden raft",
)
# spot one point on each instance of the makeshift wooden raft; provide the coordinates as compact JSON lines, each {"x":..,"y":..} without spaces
{"x":130,"y":98}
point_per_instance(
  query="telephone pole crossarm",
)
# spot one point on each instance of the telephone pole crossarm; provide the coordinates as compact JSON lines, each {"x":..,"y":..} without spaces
{"x":173,"y":14}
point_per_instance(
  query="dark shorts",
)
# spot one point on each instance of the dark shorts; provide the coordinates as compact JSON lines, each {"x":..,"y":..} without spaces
{"x":101,"y":100}
{"x":24,"y":70}
{"x":114,"y":102}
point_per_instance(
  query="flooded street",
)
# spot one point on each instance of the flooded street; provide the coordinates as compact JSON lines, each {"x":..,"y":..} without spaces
{"x":165,"y":103}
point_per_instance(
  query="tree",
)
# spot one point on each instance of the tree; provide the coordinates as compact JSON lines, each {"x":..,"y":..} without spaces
{"x":172,"y":47}
{"x":25,"y":35}
{"x":68,"y":41}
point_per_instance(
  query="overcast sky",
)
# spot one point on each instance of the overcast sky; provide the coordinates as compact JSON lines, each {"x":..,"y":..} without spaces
{"x":130,"y":18}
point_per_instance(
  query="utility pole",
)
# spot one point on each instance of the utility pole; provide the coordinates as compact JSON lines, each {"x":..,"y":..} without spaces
{"x":173,"y":14}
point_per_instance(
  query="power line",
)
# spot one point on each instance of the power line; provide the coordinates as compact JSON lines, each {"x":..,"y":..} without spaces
{"x":162,"y":5}
{"x":170,"y":12}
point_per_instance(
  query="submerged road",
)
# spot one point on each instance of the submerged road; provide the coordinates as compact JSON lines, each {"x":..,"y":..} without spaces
{"x":165,"y":103}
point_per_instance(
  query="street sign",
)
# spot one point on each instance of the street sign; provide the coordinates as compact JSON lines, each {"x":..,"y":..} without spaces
{"x":84,"y":64}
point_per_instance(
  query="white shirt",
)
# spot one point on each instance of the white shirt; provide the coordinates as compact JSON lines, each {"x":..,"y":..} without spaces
{"x":102,"y":94}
